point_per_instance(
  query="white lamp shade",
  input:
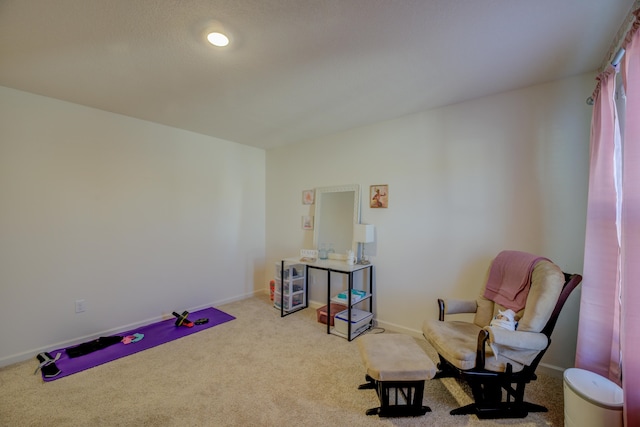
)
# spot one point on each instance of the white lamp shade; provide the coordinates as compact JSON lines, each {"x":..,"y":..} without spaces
{"x":363,"y":233}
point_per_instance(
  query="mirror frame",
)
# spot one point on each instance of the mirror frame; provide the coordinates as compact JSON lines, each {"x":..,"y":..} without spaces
{"x":320,"y":191}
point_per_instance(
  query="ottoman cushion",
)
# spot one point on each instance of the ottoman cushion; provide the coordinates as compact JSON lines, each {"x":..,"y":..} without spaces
{"x":394,"y":357}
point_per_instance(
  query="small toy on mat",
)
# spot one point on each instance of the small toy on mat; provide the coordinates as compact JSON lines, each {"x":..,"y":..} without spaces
{"x":132,"y":338}
{"x":183,"y":319}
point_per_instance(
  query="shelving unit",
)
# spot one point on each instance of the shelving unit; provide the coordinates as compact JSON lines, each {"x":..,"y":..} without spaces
{"x":364,"y":297}
{"x":289,"y":270}
{"x":291,"y":287}
{"x":353,"y":321}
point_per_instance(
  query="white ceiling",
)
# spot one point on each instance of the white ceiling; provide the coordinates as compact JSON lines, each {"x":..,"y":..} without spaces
{"x":295,"y":69}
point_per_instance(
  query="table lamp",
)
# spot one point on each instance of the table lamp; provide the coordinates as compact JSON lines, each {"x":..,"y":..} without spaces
{"x":363,"y":233}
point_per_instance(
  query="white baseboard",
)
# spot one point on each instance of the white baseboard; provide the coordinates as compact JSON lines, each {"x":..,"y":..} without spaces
{"x":19,"y":357}
{"x":551,"y":370}
{"x":398,"y":328}
{"x":316,"y":305}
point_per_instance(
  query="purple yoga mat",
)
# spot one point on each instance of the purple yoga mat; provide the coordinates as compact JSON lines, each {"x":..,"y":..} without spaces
{"x":154,"y":335}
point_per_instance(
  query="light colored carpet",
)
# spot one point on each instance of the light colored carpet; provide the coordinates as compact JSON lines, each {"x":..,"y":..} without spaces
{"x":257,"y":370}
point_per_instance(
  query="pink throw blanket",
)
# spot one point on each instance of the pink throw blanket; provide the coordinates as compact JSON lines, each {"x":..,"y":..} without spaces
{"x":510,"y":278}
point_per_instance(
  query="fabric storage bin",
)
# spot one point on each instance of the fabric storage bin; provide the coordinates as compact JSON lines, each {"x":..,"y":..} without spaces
{"x":321,"y":313}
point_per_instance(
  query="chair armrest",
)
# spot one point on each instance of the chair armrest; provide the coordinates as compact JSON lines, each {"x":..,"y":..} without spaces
{"x":517,"y":340}
{"x":456,"y":306}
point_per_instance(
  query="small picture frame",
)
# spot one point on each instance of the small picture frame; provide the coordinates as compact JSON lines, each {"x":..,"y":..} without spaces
{"x":307,"y":222}
{"x":308,"y":197}
{"x":379,"y":196}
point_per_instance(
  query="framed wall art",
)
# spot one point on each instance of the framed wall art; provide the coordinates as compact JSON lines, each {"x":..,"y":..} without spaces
{"x":308,"y":197}
{"x":307,"y":222}
{"x":379,"y":196}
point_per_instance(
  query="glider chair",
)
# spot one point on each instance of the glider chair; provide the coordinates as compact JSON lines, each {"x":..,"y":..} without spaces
{"x":490,"y":356}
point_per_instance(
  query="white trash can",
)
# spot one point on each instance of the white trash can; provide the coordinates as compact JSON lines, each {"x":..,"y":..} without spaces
{"x":591,"y":400}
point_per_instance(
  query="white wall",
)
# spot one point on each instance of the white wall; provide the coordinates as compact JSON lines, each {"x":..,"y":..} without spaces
{"x":507,"y":171}
{"x":141,"y":219}
{"x":136,"y":218}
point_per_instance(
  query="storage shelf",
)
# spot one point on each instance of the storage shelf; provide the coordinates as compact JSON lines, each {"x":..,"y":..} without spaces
{"x":298,"y":286}
{"x":355,"y":299}
{"x":291,"y":271}
{"x":290,"y":291}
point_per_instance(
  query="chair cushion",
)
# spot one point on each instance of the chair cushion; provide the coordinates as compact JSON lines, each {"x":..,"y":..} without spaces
{"x":485,"y":312}
{"x":499,"y":363}
{"x":455,"y":340}
{"x":547,"y":281}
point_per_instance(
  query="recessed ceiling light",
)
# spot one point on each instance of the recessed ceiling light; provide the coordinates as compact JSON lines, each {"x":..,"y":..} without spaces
{"x":218,"y":39}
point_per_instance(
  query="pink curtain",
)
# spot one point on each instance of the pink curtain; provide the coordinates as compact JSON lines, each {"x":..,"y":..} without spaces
{"x":598,"y":343}
{"x":630,"y":248}
{"x":609,"y":326}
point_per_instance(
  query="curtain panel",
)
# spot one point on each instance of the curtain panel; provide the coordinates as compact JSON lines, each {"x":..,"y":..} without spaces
{"x":598,"y":343}
{"x":609,"y":325}
{"x":630,"y":245}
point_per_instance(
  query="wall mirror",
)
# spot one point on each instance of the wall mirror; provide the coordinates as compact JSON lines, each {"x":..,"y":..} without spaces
{"x":337,"y":209}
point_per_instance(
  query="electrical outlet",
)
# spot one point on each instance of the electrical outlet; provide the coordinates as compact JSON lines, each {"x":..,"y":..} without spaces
{"x":81,"y":306}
